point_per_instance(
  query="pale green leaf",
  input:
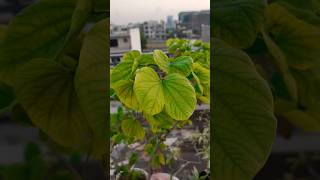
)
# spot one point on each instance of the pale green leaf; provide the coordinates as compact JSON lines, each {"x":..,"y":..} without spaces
{"x":180,"y":96}
{"x":149,"y":91}
{"x":124,"y":90}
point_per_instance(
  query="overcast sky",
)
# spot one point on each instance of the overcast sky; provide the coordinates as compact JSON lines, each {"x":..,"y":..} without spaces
{"x":126,"y":11}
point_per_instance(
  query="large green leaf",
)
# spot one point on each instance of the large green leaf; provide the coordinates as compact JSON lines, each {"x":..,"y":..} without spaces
{"x":182,"y":65}
{"x":174,"y":92}
{"x":237,"y":21}
{"x":46,"y":91}
{"x":149,"y":91}
{"x":39,"y":31}
{"x":91,"y":82}
{"x":301,"y":46}
{"x":243,"y":121}
{"x":180,"y":96}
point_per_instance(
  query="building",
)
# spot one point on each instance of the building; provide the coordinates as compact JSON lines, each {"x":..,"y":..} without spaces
{"x":193,"y":20}
{"x":119,"y":39}
{"x":170,"y":24}
{"x":205,"y":33}
{"x":154,"y":30}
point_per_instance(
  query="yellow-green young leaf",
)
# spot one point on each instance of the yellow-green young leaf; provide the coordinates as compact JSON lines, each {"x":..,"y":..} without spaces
{"x":203,"y":99}
{"x":124,"y":90}
{"x":161,"y":59}
{"x":202,"y":73}
{"x":146,"y":59}
{"x":132,"y":128}
{"x":39,"y":31}
{"x":237,"y":21}
{"x":149,"y":91}
{"x":243,"y":122}
{"x":179,"y":95}
{"x":131,"y":56}
{"x":301,"y":46}
{"x":181,"y":65}
{"x":126,"y":68}
{"x":46,"y":91}
{"x":91,"y":83}
{"x":120,"y":72}
{"x":198,"y":86}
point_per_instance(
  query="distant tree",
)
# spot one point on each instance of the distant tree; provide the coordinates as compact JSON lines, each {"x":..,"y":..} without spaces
{"x":144,"y":40}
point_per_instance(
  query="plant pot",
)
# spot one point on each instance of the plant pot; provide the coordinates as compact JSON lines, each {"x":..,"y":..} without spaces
{"x":162,"y":176}
{"x":136,"y":174}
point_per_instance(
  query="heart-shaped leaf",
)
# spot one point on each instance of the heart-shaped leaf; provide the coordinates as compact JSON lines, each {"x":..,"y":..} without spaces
{"x":180,"y":96}
{"x":148,"y":90}
{"x":243,"y":121}
{"x":91,"y":83}
{"x":46,"y":91}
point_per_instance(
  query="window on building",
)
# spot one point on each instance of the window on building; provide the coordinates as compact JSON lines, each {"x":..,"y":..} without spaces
{"x":114,"y":42}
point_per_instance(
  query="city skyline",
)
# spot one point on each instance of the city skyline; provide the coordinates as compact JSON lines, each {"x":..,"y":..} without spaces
{"x":139,"y":10}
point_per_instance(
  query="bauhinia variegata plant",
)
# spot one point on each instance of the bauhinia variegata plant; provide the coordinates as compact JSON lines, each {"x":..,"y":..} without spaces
{"x":162,"y":87}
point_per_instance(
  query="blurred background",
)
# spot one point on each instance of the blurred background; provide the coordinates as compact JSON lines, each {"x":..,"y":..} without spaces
{"x":26,"y":153}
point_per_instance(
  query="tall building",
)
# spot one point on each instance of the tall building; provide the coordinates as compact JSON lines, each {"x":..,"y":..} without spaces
{"x":154,"y":30}
{"x":170,"y":23}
